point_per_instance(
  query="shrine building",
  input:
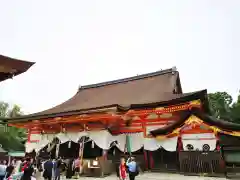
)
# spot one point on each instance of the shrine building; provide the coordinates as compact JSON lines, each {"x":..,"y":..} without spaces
{"x":147,"y":116}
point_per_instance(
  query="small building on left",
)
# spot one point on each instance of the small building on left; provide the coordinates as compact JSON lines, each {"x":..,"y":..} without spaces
{"x":9,"y":68}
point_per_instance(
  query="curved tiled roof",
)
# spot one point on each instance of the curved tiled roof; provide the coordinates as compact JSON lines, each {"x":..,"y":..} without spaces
{"x":10,"y":67}
{"x":147,"y":88}
{"x":152,"y":87}
{"x":159,"y":88}
{"x":210,"y":120}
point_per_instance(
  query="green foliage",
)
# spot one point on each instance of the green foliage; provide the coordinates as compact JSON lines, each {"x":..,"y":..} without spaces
{"x":223,"y":107}
{"x":235,"y":110}
{"x":11,"y":138}
{"x":220,"y":103}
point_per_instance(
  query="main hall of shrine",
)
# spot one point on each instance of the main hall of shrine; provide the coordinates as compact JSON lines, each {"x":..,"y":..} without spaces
{"x":147,"y":116}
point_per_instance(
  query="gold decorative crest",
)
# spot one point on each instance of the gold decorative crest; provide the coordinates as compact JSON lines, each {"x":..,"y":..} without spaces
{"x":196,"y":102}
{"x":193,"y":120}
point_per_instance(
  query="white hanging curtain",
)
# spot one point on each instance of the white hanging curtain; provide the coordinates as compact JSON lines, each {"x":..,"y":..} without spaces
{"x":121,"y":141}
{"x":150,"y":144}
{"x":62,"y":137}
{"x":169,"y":144}
{"x":136,"y":139}
{"x":83,"y":133}
{"x":45,"y":139}
{"x":198,"y":140}
{"x":103,"y":139}
{"x":30,"y":146}
{"x":73,"y":136}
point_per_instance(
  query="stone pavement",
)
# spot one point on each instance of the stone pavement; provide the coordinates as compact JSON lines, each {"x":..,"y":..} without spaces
{"x":156,"y":176}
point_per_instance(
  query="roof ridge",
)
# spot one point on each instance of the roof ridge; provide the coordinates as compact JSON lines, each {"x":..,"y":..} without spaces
{"x":142,"y":76}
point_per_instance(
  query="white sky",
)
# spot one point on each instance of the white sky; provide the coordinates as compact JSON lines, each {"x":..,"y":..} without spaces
{"x":79,"y":42}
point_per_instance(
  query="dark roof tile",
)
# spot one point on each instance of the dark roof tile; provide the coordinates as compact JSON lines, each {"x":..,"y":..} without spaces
{"x":162,"y":86}
{"x":147,"y":88}
{"x":10,"y":67}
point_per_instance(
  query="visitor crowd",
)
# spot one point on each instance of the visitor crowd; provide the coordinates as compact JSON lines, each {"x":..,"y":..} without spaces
{"x":30,"y":169}
{"x":17,"y":169}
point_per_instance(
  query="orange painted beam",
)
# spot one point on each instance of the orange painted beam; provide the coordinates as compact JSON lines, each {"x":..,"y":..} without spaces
{"x":161,"y":110}
{"x":160,"y":120}
{"x":109,"y":117}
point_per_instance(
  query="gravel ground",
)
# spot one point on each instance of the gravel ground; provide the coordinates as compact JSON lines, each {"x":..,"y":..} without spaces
{"x":156,"y":176}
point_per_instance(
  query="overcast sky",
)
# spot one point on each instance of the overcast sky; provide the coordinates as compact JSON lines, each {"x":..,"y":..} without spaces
{"x":79,"y":42}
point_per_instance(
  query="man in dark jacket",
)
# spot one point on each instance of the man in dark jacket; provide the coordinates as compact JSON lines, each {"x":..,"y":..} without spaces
{"x":133,"y":168}
{"x":9,"y":170}
{"x":48,"y":168}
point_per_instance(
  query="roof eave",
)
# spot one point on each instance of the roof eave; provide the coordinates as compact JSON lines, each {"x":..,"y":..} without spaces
{"x":211,"y":121}
{"x":195,"y":96}
{"x":61,"y":114}
{"x":198,"y":95}
{"x":15,"y":66}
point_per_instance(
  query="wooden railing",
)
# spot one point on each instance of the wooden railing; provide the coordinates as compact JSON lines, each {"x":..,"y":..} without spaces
{"x":165,"y":161}
{"x":197,"y":162}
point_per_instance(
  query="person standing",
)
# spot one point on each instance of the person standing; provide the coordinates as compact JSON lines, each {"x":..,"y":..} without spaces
{"x":28,"y":170}
{"x":9,"y":169}
{"x":48,"y":168}
{"x":2,"y":171}
{"x":132,"y":168}
{"x":57,"y":166}
{"x":24,"y":165}
{"x":122,"y":169}
{"x":70,"y":169}
{"x":5,"y":163}
{"x":77,"y":166}
{"x":17,"y":166}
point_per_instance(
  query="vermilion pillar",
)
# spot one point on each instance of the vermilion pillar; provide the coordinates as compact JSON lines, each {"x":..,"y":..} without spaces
{"x":151,"y":161}
{"x":145,"y":159}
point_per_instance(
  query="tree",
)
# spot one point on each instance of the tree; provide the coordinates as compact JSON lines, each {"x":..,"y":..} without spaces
{"x":235,"y":110}
{"x":222,"y":106}
{"x":11,"y":138}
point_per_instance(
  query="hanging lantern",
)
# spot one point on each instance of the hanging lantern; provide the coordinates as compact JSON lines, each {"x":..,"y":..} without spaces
{"x":93,"y":144}
{"x":69,"y":144}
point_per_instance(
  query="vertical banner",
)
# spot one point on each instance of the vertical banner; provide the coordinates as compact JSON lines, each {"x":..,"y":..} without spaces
{"x":57,"y":150}
{"x":129,"y":144}
{"x":81,"y":147}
